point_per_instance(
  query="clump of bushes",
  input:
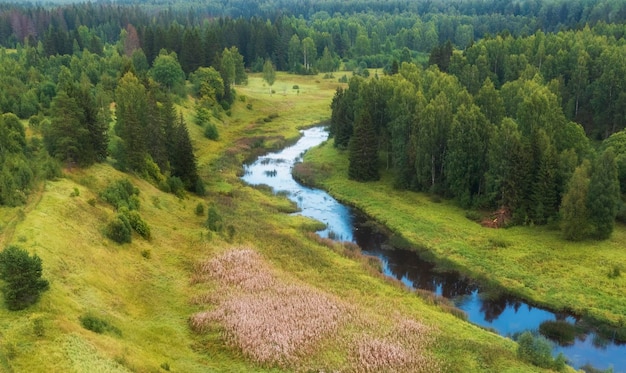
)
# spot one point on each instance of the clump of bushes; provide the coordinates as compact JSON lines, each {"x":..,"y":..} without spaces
{"x":537,"y":350}
{"x":125,"y":197}
{"x":210,"y":132}
{"x":119,"y":229}
{"x":121,"y":193}
{"x":98,"y":325}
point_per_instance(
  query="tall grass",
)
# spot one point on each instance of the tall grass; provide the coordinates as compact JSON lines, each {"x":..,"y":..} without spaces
{"x":268,"y":320}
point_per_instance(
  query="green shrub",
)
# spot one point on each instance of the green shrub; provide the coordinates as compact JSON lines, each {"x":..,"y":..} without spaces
{"x":295,"y":86}
{"x":38,"y":327}
{"x":200,"y":209}
{"x":138,"y":224}
{"x":210,"y":132}
{"x":96,"y":324}
{"x":121,"y":193}
{"x":146,"y":253}
{"x":22,"y":276}
{"x":176,"y":186}
{"x":537,"y":350}
{"x":214,"y":220}
{"x":119,"y":229}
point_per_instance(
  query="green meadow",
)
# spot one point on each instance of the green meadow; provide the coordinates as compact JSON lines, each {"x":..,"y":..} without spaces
{"x":146,"y":292}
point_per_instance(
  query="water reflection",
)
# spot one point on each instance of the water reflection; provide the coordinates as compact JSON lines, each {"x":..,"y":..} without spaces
{"x":506,"y":315}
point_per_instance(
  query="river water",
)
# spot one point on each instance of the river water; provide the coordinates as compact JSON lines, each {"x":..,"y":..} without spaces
{"x":506,"y":315}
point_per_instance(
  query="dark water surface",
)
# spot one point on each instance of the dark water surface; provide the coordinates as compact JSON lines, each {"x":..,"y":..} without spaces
{"x":506,"y":315}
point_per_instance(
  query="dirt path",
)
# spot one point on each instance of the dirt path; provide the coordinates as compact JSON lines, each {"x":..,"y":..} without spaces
{"x":33,"y":201}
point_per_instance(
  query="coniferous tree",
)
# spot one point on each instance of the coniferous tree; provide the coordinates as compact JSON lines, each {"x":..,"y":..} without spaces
{"x":363,"y":149}
{"x":182,"y":159}
{"x":22,"y":276}
{"x":603,"y":196}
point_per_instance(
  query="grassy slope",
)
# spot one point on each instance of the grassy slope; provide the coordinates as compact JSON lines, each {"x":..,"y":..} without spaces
{"x":534,"y":262}
{"x":148,"y":299}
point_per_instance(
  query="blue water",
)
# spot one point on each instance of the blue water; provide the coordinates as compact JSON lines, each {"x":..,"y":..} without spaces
{"x":505,"y":315}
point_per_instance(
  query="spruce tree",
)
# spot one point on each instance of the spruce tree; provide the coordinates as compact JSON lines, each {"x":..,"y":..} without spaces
{"x":363,"y":149}
{"x":603,"y":197}
{"x":182,"y":159}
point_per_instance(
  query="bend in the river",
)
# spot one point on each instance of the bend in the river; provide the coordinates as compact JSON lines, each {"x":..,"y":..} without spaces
{"x":505,"y":315}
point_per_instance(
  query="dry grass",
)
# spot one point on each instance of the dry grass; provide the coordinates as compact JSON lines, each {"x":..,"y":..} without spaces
{"x":401,"y":350}
{"x":276,"y":323}
{"x":269,"y":321}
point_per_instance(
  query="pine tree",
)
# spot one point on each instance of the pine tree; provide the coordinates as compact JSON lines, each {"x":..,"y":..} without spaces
{"x":363,"y":149}
{"x":603,"y":197}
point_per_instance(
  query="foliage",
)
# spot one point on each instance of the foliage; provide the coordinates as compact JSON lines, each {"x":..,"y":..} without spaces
{"x":210,"y":132}
{"x":269,"y":73}
{"x":214,"y":220}
{"x":538,"y":350}
{"x":97,"y":324}
{"x":119,"y":229}
{"x":604,"y":197}
{"x":21,"y":274}
{"x":121,"y":194}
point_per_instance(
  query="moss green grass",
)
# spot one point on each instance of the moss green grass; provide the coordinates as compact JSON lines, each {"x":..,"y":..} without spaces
{"x":149,"y":298}
{"x":532,"y":262}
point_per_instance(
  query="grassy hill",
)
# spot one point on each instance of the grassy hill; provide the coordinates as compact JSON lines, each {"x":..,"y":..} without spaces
{"x":191,"y":300}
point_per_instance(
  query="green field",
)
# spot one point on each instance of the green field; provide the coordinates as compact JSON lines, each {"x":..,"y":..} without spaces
{"x":148,"y":291}
{"x":535,"y":263}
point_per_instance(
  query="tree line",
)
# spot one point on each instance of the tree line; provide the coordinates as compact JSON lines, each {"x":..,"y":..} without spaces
{"x":510,"y":149}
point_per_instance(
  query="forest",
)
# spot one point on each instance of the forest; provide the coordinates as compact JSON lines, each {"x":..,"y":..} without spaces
{"x":513,"y":110}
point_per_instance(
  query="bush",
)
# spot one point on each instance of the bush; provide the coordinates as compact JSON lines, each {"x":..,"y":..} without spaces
{"x":214,"y":220}
{"x":121,"y":193}
{"x":210,"y":132}
{"x":537,"y":350}
{"x":96,"y":324}
{"x":22,"y":276}
{"x":176,"y":186}
{"x":200,"y":209}
{"x":138,"y":224}
{"x":119,"y":229}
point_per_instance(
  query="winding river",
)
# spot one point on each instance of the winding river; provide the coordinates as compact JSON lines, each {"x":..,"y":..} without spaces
{"x":505,"y":315}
